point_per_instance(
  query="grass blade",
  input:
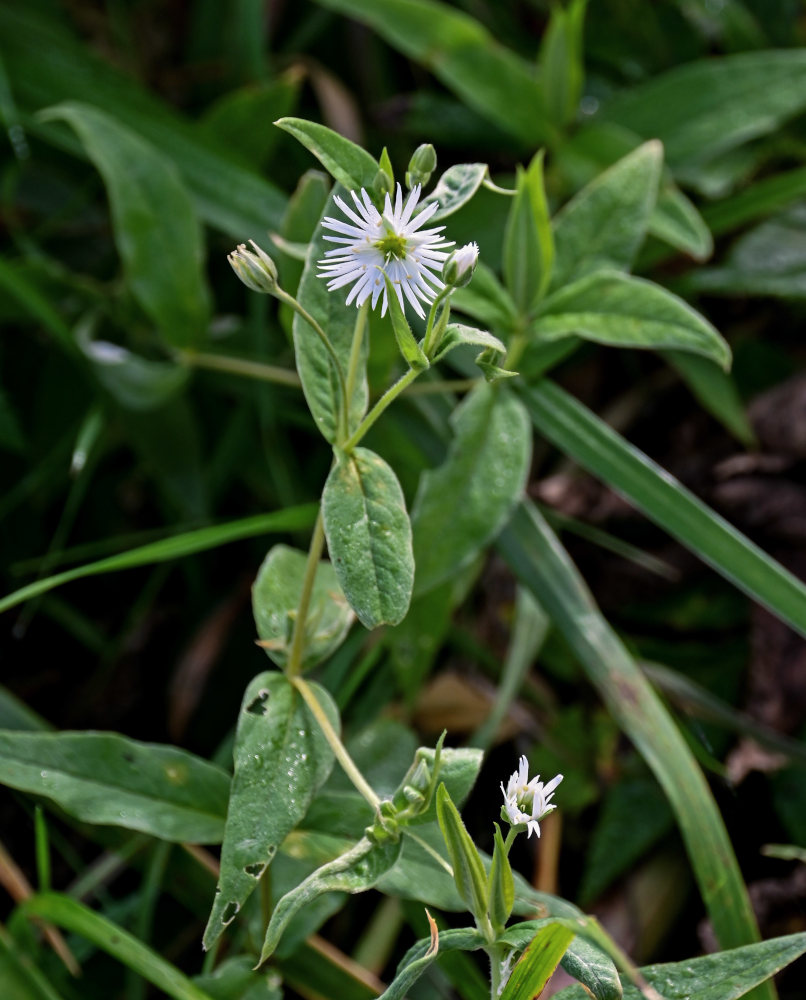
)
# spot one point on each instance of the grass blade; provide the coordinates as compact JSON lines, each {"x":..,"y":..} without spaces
{"x":538,"y":559}
{"x":586,"y":439}
{"x":289,"y":519}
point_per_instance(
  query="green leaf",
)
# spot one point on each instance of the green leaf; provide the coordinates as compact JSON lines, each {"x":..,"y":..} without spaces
{"x":20,"y":977}
{"x":528,"y":239}
{"x":188,"y":543}
{"x":157,"y":232}
{"x":275,"y":599}
{"x":235,"y":979}
{"x":16,"y":285}
{"x":455,"y":188}
{"x":462,"y":54}
{"x":596,"y":447}
{"x":624,"y":311}
{"x":109,"y":779}
{"x":560,"y":61}
{"x":538,"y":963}
{"x":417,"y":959}
{"x":486,"y":300}
{"x":356,"y":871}
{"x":726,"y":975}
{"x":593,"y":968}
{"x":761,"y":198}
{"x":338,"y":320}
{"x":604,"y":225}
{"x":349,"y":164}
{"x":501,"y":886}
{"x":536,"y":556}
{"x":704,"y":108}
{"x":134,"y":382}
{"x":459,"y":768}
{"x":716,"y":391}
{"x":369,"y":537}
{"x":468,"y":870}
{"x":412,"y":352}
{"x":677,"y":222}
{"x":457,"y":334}
{"x":768,"y":260}
{"x":115,"y":941}
{"x":486,"y":466}
{"x":281,"y":759}
{"x":49,"y":64}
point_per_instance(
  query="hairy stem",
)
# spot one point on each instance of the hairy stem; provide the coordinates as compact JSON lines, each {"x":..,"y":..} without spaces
{"x":388,"y":397}
{"x":294,"y":665}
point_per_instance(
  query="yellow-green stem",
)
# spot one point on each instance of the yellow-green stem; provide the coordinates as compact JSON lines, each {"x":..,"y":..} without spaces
{"x":294,"y":665}
{"x":388,"y":397}
{"x":240,"y":366}
{"x":347,"y":763}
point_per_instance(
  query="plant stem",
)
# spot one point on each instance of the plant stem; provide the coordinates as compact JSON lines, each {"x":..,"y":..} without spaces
{"x":442,"y":385}
{"x":388,"y":397}
{"x":331,"y":350}
{"x":294,"y":665}
{"x":355,"y":356}
{"x":342,"y":756}
{"x":241,"y":366}
{"x":434,"y":331}
{"x":495,"y":972}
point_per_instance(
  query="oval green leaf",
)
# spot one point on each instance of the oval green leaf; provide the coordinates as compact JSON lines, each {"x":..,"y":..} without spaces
{"x":538,"y":963}
{"x":281,"y":760}
{"x":620,"y":310}
{"x":275,"y":599}
{"x":487,"y":465}
{"x":348,"y":163}
{"x":455,"y":188}
{"x":109,"y":779}
{"x":369,"y":537}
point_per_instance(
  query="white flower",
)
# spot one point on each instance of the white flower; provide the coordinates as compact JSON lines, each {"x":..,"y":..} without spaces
{"x":527,"y":801}
{"x":392,"y":243}
{"x":460,"y":265}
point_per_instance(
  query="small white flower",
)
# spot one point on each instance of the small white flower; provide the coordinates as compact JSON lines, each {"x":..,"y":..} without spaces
{"x":460,"y":265}
{"x":527,"y":801}
{"x":393,"y":243}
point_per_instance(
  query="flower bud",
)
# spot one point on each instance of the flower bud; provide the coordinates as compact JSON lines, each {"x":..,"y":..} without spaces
{"x":421,"y":165}
{"x":383,"y":183}
{"x":459,"y":267}
{"x":255,"y":269}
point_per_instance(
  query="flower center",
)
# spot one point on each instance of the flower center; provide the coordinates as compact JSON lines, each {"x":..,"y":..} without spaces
{"x":392,"y":245}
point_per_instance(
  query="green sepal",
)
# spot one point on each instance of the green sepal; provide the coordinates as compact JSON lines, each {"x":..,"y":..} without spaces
{"x":501,"y":884}
{"x":491,"y":371}
{"x":468,"y":869}
{"x":412,"y":352}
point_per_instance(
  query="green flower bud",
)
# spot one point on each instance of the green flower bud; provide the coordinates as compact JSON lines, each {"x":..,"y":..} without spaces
{"x":255,"y":269}
{"x":383,"y":184}
{"x":459,"y":267}
{"x":422,"y":164}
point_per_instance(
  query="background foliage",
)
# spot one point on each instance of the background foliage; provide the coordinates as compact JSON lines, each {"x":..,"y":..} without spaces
{"x":156,"y":444}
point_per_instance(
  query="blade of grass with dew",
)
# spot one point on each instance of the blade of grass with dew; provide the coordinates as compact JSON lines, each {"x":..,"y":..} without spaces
{"x":536,"y":556}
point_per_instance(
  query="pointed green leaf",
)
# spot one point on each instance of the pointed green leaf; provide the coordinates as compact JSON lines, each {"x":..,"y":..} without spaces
{"x":356,"y":871}
{"x":349,"y":164}
{"x":560,"y":61}
{"x":620,"y":310}
{"x":528,"y":239}
{"x":281,"y":759}
{"x":726,"y":975}
{"x":314,"y":363}
{"x":487,"y":465}
{"x":501,"y":884}
{"x":455,"y":188}
{"x":275,"y":599}
{"x":677,"y":222}
{"x":468,"y":870}
{"x":604,"y":225}
{"x":157,"y":232}
{"x":110,"y":779}
{"x":417,"y":959}
{"x":716,"y":392}
{"x":538,"y":963}
{"x":369,"y":537}
{"x":457,"y":334}
{"x":704,"y":108}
